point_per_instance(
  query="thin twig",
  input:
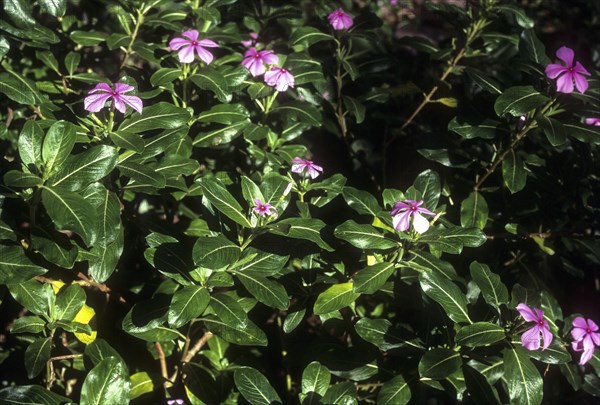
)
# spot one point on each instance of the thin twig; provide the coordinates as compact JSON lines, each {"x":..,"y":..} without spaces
{"x":129,"y":50}
{"x":188,"y":355}
{"x":66,"y":357}
{"x":163,"y":365}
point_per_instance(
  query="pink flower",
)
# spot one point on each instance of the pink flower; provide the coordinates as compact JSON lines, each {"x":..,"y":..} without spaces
{"x":403,"y":210}
{"x":593,"y":121}
{"x":279,"y":78}
{"x":100,"y":94}
{"x":255,"y":60}
{"x":253,"y":37}
{"x":300,"y":165}
{"x":530,"y":339}
{"x":585,"y":338}
{"x":569,"y":73}
{"x":340,"y":20}
{"x":187,"y":45}
{"x":262,"y":208}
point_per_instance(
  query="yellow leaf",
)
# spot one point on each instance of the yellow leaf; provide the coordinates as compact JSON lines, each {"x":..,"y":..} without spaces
{"x":371,"y":260}
{"x":448,"y":101}
{"x":85,"y":316}
{"x":57,"y":285}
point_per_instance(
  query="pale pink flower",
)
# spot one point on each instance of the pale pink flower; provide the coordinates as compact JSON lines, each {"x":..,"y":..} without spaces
{"x":403,"y":210}
{"x":253,"y":37}
{"x":569,"y":73}
{"x":189,"y":44}
{"x":279,"y":78}
{"x":593,"y":121}
{"x":262,"y":208}
{"x":99,"y":95}
{"x":255,"y":60}
{"x":300,"y":165}
{"x":339,"y":20}
{"x":530,"y":339}
{"x":585,"y":338}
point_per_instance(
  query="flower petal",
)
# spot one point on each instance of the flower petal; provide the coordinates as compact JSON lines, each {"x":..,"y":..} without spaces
{"x":526,"y":313}
{"x":123,"y":88}
{"x":119,"y":104}
{"x":566,"y":55}
{"x":206,"y":56}
{"x":577,"y":346}
{"x":580,"y":69}
{"x":178,"y":42}
{"x":312,"y":172}
{"x":578,"y":333}
{"x":186,"y":54}
{"x":580,"y":322}
{"x":207,"y":43}
{"x":420,"y":223}
{"x":101,"y":88}
{"x":269,"y":57}
{"x":580,"y":82}
{"x":592,"y":325}
{"x":133,"y":102}
{"x":586,"y":356}
{"x":401,"y":221}
{"x":564,"y":84}
{"x":547,"y":335}
{"x":530,"y":339}
{"x":191,"y":34}
{"x":95,"y":102}
{"x":553,"y":70}
{"x":595,"y":338}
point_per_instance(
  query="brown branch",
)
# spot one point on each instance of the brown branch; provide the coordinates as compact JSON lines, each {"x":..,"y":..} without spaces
{"x":66,"y":357}
{"x":163,"y":365}
{"x":188,"y":355}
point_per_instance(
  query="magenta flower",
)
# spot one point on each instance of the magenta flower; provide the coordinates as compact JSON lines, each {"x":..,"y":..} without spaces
{"x":253,"y":37}
{"x":530,"y":339}
{"x":569,"y":73}
{"x":189,"y":44}
{"x":100,"y":94}
{"x":585,"y":338}
{"x":300,"y":165}
{"x":279,"y":78}
{"x":255,"y":61}
{"x":262,"y":208}
{"x":593,"y":121}
{"x":403,"y":210}
{"x":339,"y":20}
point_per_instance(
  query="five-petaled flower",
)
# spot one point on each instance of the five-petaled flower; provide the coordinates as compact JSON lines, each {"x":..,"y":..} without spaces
{"x":262,"y":208}
{"x":255,"y":60}
{"x":300,"y":165}
{"x":569,"y":73}
{"x":593,"y":121}
{"x":100,"y":94}
{"x":249,"y":42}
{"x":403,"y":210}
{"x":530,"y":339}
{"x":339,"y":20}
{"x":585,"y":338}
{"x":189,"y":44}
{"x":279,"y":78}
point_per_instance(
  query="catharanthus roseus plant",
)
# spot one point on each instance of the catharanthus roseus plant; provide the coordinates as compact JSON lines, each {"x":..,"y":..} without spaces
{"x":165,"y":239}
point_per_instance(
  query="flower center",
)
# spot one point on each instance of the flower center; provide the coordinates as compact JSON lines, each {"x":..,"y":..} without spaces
{"x":588,"y":330}
{"x":113,"y":93}
{"x":413,"y":208}
{"x":541,"y":323}
{"x":194,"y":43}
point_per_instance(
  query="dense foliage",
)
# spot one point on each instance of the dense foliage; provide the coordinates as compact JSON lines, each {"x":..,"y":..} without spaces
{"x":306,"y":201}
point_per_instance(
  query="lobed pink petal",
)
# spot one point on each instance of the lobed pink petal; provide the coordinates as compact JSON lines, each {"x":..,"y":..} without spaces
{"x":591,"y":324}
{"x":425,"y":211}
{"x":530,"y":339}
{"x":586,"y":356}
{"x":593,"y":121}
{"x":595,"y":338}
{"x":121,"y":88}
{"x":119,"y":104}
{"x":101,"y":88}
{"x":420,"y":223}
{"x":346,"y":21}
{"x":191,"y":34}
{"x":95,"y":102}
{"x":580,"y":69}
{"x":401,"y":221}
{"x":580,"y":322}
{"x":539,"y":314}
{"x":186,"y":54}
{"x":250,"y":53}
{"x":580,"y":82}
{"x":553,"y":70}
{"x":578,"y":333}
{"x":577,"y":346}
{"x":526,"y":313}
{"x":566,"y":55}
{"x":206,"y":56}
{"x":547,"y":336}
{"x":564,"y":84}
{"x":269,"y":57}
{"x":271,"y":76}
{"x":312,"y":172}
{"x":588,"y":343}
{"x":256,"y":67}
{"x":208,"y":43}
{"x":133,"y":102}
{"x":177,"y":43}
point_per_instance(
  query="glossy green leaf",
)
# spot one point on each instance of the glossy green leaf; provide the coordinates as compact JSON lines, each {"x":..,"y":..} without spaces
{"x":220,"y":136}
{"x":556,"y":353}
{"x":293,"y":319}
{"x":255,"y":387}
{"x":303,"y":37}
{"x":553,"y":129}
{"x":13,"y":87}
{"x":342,"y":393}
{"x":128,"y":141}
{"x":72,"y":62}
{"x":394,"y":391}
{"x":384,"y":335}
{"x":474,"y":211}
{"x":57,"y":145}
{"x":372,"y":278}
{"x":69,"y":301}
{"x":30,"y":145}
{"x":36,"y":356}
{"x":583,"y":133}
{"x":315,"y":381}
{"x":17,"y":179}
{"x":225,"y":114}
{"x":141,"y":383}
{"x":85,"y":168}
{"x":215,"y":252}
{"x":31,"y":394}
{"x":259,"y":262}
{"x":37,"y":297}
{"x":188,"y":303}
{"x":363,"y":236}
{"x":248,"y":334}
{"x":486,"y":129}
{"x":522,"y":378}
{"x":304,"y":228}
{"x":107,"y":383}
{"x":484,"y":81}
{"x":100,"y":350}
{"x":88,"y":38}
{"x":571,"y":373}
{"x":424,"y":261}
{"x":447,"y":294}
{"x":478,"y":387}
{"x":452,"y":240}
{"x":223,"y":200}
{"x":513,"y":172}
{"x":228,"y":310}
{"x":519,"y":14}
{"x":269,"y":292}
{"x":361,"y":201}
{"x":439,"y":363}
{"x":207,"y":78}
{"x":355,"y":108}
{"x":479,"y":334}
{"x":142,"y":175}
{"x":161,"y":115}
{"x":493,"y":290}
{"x":15,"y":267}
{"x":531,"y":48}
{"x":28,"y":324}
{"x":427,"y":187}
{"x":164,"y":76}
{"x":336,"y":297}
{"x":71,"y":211}
{"x":519,"y":100}
{"x":300,"y":111}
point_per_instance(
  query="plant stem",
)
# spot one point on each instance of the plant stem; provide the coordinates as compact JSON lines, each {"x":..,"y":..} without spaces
{"x":163,"y":365}
{"x":138,"y":23}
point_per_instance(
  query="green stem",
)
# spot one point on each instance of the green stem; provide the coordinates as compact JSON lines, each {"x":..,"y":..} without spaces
{"x":140,"y":19}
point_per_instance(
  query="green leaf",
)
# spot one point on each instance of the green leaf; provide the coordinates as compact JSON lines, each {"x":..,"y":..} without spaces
{"x":519,"y":100}
{"x":141,"y":383}
{"x":57,"y":146}
{"x":427,"y":186}
{"x":363,"y":236}
{"x":15,"y":178}
{"x":478,"y":387}
{"x":28,"y":324}
{"x":216,"y":193}
{"x":293,"y":319}
{"x":304,"y":228}
{"x":355,"y":108}
{"x":164,"y":76}
{"x":259,"y":262}
{"x":87,"y":38}
{"x":215,"y":252}
{"x":80,"y":170}
{"x":394,"y":391}
{"x":303,"y":37}
{"x":447,"y":294}
{"x":479,"y":334}
{"x":225,"y":114}
{"x":531,"y":48}
{"x":315,"y":381}
{"x":128,"y":141}
{"x":522,"y":378}
{"x":107,"y":383}
{"x":13,"y":88}
{"x":228,"y":310}
{"x":553,"y":354}
{"x":68,"y":302}
{"x":583,"y":133}
{"x":15,"y":267}
{"x":474,"y":211}
{"x":36,"y":356}
{"x":207,"y":78}
{"x":493,"y":290}
{"x":269,"y":292}
{"x":486,"y":129}
{"x":452,"y":240}
{"x":520,"y":16}
{"x":301,"y":111}
{"x":439,"y":363}
{"x":336,"y":297}
{"x":188,"y":303}
{"x":30,"y":394}
{"x":553,"y":129}
{"x":220,"y":136}
{"x":70,"y":211}
{"x":571,"y":373}
{"x":4,"y":46}
{"x":30,"y":145}
{"x":108,"y":206}
{"x":255,"y":387}
{"x":48,"y":59}
{"x":161,"y":115}
{"x":382,"y":334}
{"x":100,"y":350}
{"x":343,"y":393}
{"x":72,"y":62}
{"x":361,"y":201}
{"x":372,"y":278}
{"x":248,"y":334}
{"x":424,"y":261}
{"x":484,"y":81}
{"x":103,"y":260}
{"x":513,"y":172}
{"x":37,"y":297}
{"x":142,"y":175}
